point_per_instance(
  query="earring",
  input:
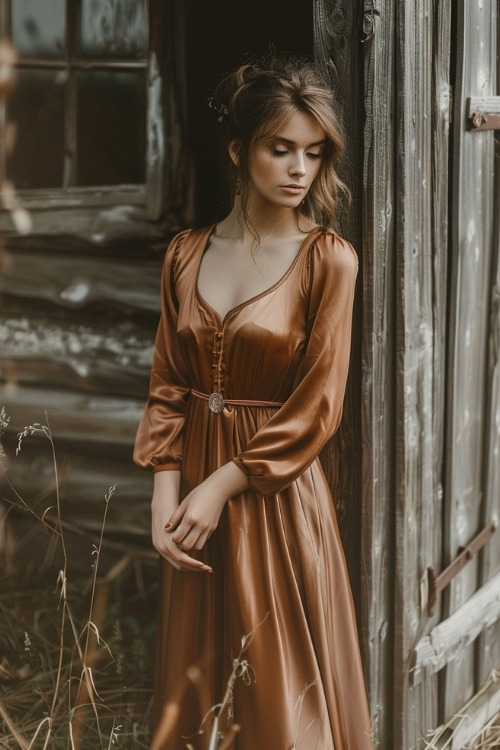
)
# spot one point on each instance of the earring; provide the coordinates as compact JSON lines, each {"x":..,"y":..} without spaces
{"x":237,"y":189}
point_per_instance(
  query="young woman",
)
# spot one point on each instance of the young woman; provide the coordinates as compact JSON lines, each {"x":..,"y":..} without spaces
{"x":247,"y":386}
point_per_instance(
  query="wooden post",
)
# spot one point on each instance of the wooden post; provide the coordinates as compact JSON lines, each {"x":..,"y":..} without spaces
{"x":377,"y":388}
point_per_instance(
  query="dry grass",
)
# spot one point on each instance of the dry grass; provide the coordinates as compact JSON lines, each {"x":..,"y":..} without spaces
{"x":42,"y":683}
{"x":76,"y":631}
{"x":487,"y":739}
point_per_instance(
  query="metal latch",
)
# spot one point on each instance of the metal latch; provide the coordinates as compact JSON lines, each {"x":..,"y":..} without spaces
{"x":484,"y":114}
{"x":465,"y":555}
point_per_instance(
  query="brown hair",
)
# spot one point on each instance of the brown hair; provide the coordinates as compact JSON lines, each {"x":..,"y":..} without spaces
{"x":257,"y":100}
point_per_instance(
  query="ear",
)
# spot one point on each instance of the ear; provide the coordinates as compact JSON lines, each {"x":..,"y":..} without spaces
{"x":234,"y":152}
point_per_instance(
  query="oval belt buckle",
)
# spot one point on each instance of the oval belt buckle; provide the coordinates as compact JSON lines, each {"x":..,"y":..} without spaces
{"x":216,"y":402}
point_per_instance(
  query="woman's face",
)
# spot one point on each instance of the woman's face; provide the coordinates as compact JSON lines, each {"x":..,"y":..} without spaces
{"x":282,"y":167}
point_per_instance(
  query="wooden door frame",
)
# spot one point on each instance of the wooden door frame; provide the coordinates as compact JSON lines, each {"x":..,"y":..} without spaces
{"x":403,"y":49}
{"x":355,"y":42}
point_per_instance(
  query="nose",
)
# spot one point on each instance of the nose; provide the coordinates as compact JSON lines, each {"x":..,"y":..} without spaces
{"x":298,"y":167}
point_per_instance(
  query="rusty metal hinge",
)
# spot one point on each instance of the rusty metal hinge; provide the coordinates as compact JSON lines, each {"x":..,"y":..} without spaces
{"x":484,"y":114}
{"x":465,"y":554}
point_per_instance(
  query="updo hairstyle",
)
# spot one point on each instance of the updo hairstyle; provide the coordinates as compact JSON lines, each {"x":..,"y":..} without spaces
{"x":257,"y":100}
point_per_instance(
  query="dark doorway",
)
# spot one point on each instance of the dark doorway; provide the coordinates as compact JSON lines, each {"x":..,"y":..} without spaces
{"x":218,"y":37}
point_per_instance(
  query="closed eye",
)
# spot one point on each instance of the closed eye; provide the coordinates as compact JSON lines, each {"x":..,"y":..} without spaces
{"x":280,"y":152}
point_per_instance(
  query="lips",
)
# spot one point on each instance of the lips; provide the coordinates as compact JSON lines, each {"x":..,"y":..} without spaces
{"x":293,"y":189}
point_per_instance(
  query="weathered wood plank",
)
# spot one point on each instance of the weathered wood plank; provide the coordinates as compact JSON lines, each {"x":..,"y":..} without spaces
{"x":488,"y":651}
{"x":421,"y":269}
{"x":446,"y":640}
{"x":81,"y":217}
{"x":94,"y":437}
{"x":86,"y":473}
{"x":469,"y":318}
{"x":377,"y":391}
{"x":170,"y":190}
{"x":105,"y":354}
{"x":73,"y":281}
{"x":74,"y":416}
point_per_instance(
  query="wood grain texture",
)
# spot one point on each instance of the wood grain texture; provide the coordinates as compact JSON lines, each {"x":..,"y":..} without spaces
{"x":75,"y":416}
{"x":469,"y":321}
{"x":488,"y":650}
{"x":95,"y":353}
{"x":448,"y":638}
{"x":377,"y":392}
{"x":422,"y":148}
{"x":86,"y":473}
{"x":74,"y":281}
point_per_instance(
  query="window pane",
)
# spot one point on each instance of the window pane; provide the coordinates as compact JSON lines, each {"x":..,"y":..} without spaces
{"x":36,"y":106}
{"x":111,"y":128}
{"x":39,"y":27}
{"x":113,"y":28}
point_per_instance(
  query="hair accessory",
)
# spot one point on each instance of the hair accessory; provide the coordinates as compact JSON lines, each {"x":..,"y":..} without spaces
{"x":221,"y":109}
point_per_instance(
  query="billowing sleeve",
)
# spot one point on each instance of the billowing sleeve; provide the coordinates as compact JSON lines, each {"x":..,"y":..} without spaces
{"x":158,"y":445}
{"x":293,"y":437}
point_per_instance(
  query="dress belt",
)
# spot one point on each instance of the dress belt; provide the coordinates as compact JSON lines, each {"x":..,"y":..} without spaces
{"x":217,"y":402}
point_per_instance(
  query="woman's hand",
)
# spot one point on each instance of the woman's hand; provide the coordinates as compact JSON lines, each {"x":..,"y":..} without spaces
{"x":196,"y":518}
{"x":163,"y":505}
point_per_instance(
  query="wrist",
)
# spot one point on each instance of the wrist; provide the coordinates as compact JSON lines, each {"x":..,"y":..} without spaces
{"x":166,"y":490}
{"x":227,"y":481}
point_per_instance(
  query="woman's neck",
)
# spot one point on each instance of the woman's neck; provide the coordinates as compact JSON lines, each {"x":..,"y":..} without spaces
{"x":268,"y":225}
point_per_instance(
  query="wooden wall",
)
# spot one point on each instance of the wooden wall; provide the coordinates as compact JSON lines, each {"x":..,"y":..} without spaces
{"x":80,"y":306}
{"x":430,"y":275}
{"x":430,"y":413}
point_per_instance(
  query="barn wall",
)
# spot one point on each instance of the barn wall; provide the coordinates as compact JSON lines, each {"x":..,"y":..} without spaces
{"x":430,"y":361}
{"x":473,"y":492}
{"x":80,"y":305}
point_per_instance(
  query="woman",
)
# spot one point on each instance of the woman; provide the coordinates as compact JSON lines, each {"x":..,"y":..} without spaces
{"x":247,"y":385}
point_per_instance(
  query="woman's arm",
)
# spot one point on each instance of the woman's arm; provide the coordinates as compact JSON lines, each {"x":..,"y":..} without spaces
{"x":196,"y":518}
{"x":159,"y":441}
{"x":283,"y":448}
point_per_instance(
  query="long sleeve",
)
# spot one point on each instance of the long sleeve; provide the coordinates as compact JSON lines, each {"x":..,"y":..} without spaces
{"x":158,"y":444}
{"x":288,"y":443}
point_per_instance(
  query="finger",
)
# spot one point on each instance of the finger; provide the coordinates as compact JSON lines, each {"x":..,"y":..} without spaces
{"x":201,"y":541}
{"x":176,"y":517}
{"x":189,"y":541}
{"x":178,"y":558}
{"x":191,"y":564}
{"x":181,"y":533}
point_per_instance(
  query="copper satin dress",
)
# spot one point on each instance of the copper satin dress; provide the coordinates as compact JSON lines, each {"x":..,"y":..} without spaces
{"x":278,"y":565}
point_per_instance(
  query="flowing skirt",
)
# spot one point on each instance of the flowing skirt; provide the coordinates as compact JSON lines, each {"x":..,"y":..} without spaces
{"x":280,"y":590}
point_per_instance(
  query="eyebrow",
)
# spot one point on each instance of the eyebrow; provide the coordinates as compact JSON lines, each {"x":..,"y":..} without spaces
{"x":293,"y":143}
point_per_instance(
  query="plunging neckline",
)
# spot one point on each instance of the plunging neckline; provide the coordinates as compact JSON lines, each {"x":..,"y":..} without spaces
{"x":254,"y":298}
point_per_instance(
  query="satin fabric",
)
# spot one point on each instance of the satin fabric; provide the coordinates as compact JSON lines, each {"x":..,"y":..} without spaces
{"x":278,"y":566}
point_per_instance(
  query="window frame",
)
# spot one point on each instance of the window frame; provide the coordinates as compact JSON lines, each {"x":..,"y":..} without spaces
{"x":147,"y":195}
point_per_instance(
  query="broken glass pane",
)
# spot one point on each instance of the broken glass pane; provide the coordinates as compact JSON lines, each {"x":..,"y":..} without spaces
{"x":36,"y":107}
{"x":39,"y":28}
{"x":111,"y":128}
{"x":113,"y":28}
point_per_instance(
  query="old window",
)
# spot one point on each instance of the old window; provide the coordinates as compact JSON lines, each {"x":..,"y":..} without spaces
{"x":81,"y":100}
